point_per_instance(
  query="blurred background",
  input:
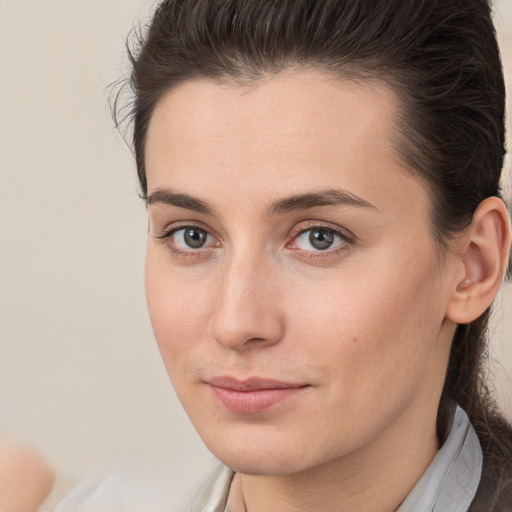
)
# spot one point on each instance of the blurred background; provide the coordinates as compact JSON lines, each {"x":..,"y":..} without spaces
{"x":80,"y":375}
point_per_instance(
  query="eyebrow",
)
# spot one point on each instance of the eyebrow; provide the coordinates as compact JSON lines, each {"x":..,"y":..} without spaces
{"x":326,"y":197}
{"x":168,"y":197}
{"x":298,"y":202}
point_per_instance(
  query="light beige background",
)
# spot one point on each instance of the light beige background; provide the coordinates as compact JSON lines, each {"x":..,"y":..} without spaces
{"x":80,"y":376}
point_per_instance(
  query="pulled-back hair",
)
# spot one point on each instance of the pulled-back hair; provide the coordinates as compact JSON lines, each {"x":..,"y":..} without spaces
{"x":442,"y":60}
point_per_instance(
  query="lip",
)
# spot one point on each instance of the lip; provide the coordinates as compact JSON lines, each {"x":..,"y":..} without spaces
{"x":252,"y":395}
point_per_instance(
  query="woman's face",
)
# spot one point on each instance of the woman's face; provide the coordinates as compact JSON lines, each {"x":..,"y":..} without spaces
{"x":293,"y":282}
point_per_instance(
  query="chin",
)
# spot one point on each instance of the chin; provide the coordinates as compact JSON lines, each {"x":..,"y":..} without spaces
{"x":257,"y":464}
{"x":262,"y":456}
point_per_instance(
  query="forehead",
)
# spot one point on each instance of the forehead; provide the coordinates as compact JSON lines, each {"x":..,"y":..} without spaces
{"x":289,"y":106}
{"x":294,"y":131}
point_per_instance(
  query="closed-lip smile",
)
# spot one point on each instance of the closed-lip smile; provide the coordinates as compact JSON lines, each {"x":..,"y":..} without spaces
{"x":251,"y":395}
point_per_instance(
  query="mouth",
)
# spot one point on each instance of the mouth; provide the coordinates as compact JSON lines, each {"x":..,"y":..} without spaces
{"x":252,"y":395}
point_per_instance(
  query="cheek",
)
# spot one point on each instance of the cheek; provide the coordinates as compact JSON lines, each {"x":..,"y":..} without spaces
{"x":179,"y":309}
{"x":371,"y":334}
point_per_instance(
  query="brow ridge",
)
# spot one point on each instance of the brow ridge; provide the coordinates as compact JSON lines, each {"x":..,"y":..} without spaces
{"x":297,"y":202}
{"x":327,"y":197}
{"x":169,"y":197}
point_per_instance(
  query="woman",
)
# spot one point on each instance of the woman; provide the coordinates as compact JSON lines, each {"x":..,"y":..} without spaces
{"x":326,"y":237}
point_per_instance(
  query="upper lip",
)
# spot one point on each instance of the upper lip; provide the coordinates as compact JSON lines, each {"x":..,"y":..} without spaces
{"x":251,"y":384}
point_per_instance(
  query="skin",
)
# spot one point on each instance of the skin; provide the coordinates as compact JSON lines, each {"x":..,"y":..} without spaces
{"x":25,"y":478}
{"x":364,"y":325}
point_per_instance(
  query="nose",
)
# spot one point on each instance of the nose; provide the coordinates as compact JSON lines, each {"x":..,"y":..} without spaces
{"x":248,"y":312}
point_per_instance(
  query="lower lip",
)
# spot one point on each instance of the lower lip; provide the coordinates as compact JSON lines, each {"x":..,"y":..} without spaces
{"x":253,"y":401}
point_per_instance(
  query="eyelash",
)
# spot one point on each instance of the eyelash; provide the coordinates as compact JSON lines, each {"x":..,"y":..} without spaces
{"x":184,"y":254}
{"x":347,"y":241}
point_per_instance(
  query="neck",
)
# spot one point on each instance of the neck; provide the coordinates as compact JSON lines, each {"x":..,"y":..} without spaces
{"x":375,"y":478}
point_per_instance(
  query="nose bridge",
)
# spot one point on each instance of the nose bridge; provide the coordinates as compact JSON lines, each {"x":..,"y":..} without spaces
{"x":247,"y":310}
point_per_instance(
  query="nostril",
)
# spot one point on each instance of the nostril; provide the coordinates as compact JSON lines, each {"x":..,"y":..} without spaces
{"x":248,"y":328}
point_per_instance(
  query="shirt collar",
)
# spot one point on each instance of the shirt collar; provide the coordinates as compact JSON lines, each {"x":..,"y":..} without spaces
{"x":451,"y":480}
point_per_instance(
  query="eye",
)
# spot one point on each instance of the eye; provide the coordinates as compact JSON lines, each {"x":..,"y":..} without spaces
{"x":190,"y":237}
{"x":188,"y":241}
{"x":318,"y":239}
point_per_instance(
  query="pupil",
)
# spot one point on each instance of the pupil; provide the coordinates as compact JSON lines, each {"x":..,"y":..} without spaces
{"x":321,"y":239}
{"x":195,"y":238}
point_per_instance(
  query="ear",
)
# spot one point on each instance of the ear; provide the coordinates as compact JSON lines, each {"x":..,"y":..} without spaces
{"x":482,"y":262}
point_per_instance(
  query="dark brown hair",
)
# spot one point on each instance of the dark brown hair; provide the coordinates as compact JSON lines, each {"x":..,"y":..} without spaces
{"x":442,"y":59}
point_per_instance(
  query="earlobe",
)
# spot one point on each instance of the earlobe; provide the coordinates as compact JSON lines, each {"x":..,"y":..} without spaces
{"x":483,"y":261}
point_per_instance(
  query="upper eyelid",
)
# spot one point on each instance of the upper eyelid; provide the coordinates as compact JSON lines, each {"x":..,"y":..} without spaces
{"x":171,"y":228}
{"x":344,"y":240}
{"x":174,"y":230}
{"x":343,"y":232}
